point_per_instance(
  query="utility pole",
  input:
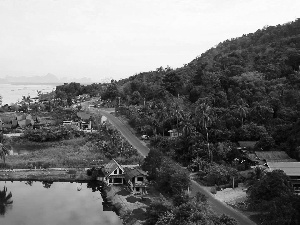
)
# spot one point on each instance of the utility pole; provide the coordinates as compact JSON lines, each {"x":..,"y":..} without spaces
{"x":119,"y":100}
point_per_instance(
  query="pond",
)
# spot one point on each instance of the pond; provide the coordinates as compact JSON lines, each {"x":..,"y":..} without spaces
{"x":58,"y":203}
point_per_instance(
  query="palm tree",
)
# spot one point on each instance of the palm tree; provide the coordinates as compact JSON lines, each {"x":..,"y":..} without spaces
{"x":3,"y":151}
{"x":177,"y":111}
{"x":5,"y":200}
{"x":162,"y":115}
{"x":205,"y":121}
{"x":242,"y":109}
{"x":187,"y":124}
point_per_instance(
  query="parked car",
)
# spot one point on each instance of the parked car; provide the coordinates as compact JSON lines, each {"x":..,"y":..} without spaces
{"x":145,"y":137}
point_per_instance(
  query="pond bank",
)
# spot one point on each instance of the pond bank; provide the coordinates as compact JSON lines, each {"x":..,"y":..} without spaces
{"x":131,"y":209}
{"x":51,"y":175}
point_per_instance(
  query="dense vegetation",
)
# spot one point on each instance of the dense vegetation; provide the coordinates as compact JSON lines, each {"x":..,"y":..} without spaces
{"x":273,"y":196}
{"x":244,"y":89}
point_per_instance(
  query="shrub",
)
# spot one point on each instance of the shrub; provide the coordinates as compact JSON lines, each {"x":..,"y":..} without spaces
{"x":51,"y":134}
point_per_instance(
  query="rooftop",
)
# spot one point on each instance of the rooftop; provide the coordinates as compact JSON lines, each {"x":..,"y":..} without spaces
{"x":290,"y":168}
{"x":111,"y":166}
{"x":274,"y":156}
{"x":133,"y":172}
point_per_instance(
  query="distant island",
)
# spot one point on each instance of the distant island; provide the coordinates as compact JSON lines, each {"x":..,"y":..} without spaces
{"x":47,"y":79}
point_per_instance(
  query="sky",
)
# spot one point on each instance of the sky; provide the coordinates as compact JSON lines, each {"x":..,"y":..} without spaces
{"x":116,"y":39}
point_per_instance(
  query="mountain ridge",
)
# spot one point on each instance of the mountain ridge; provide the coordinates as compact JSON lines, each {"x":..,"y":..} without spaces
{"x":46,"y":79}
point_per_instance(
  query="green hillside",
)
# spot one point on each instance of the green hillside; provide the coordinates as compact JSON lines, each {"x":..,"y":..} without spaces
{"x":244,"y":89}
{"x":251,"y":85}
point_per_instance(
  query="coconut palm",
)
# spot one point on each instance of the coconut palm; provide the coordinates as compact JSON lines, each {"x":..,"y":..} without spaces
{"x":5,"y":200}
{"x":204,"y":113}
{"x":187,"y":124}
{"x":162,"y":115}
{"x":3,"y":151}
{"x":242,"y":109}
{"x":176,"y":108}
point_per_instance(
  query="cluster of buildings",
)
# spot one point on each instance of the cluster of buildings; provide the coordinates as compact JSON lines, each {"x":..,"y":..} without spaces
{"x":12,"y":121}
{"x":278,"y":160}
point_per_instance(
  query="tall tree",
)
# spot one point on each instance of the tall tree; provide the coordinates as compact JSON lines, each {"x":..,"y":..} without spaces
{"x":242,"y":109}
{"x":204,"y":114}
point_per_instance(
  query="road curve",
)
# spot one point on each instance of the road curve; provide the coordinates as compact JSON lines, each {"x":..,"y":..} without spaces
{"x":131,"y":138}
{"x":216,"y":205}
{"x":220,"y":207}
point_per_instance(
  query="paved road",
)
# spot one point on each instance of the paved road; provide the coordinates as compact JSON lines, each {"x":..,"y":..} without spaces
{"x":131,"y":138}
{"x":220,"y":207}
{"x":217,"y":206}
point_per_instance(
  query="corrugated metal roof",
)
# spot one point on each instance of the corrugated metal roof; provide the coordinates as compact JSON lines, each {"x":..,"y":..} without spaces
{"x":270,"y":156}
{"x":290,"y":168}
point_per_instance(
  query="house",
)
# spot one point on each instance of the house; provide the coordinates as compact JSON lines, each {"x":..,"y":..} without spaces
{"x":34,"y":100}
{"x":81,"y":125}
{"x":25,"y":123}
{"x":136,"y":179}
{"x":7,"y":122}
{"x":291,"y":169}
{"x":114,"y":173}
{"x":174,"y":133}
{"x":85,"y":126}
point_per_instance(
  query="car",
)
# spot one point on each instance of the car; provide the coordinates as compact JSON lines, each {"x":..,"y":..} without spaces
{"x":145,"y":137}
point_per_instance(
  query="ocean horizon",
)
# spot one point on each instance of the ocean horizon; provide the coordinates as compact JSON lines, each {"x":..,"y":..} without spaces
{"x":13,"y":92}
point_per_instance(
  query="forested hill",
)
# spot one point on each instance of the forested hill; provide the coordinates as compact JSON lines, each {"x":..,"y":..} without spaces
{"x":250,"y":83}
{"x":247,"y":88}
{"x":273,"y":51}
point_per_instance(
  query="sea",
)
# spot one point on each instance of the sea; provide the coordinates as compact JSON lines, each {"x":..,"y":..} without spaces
{"x":12,"y":93}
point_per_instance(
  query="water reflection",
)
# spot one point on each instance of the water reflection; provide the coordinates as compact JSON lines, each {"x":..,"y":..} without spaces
{"x":37,"y":204}
{"x":47,"y":184}
{"x":5,"y":201}
{"x":98,"y":186}
{"x":30,"y":182}
{"x":94,"y":185}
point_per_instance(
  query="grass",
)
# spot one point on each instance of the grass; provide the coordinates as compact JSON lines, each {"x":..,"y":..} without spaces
{"x":68,"y":153}
{"x":73,"y":153}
